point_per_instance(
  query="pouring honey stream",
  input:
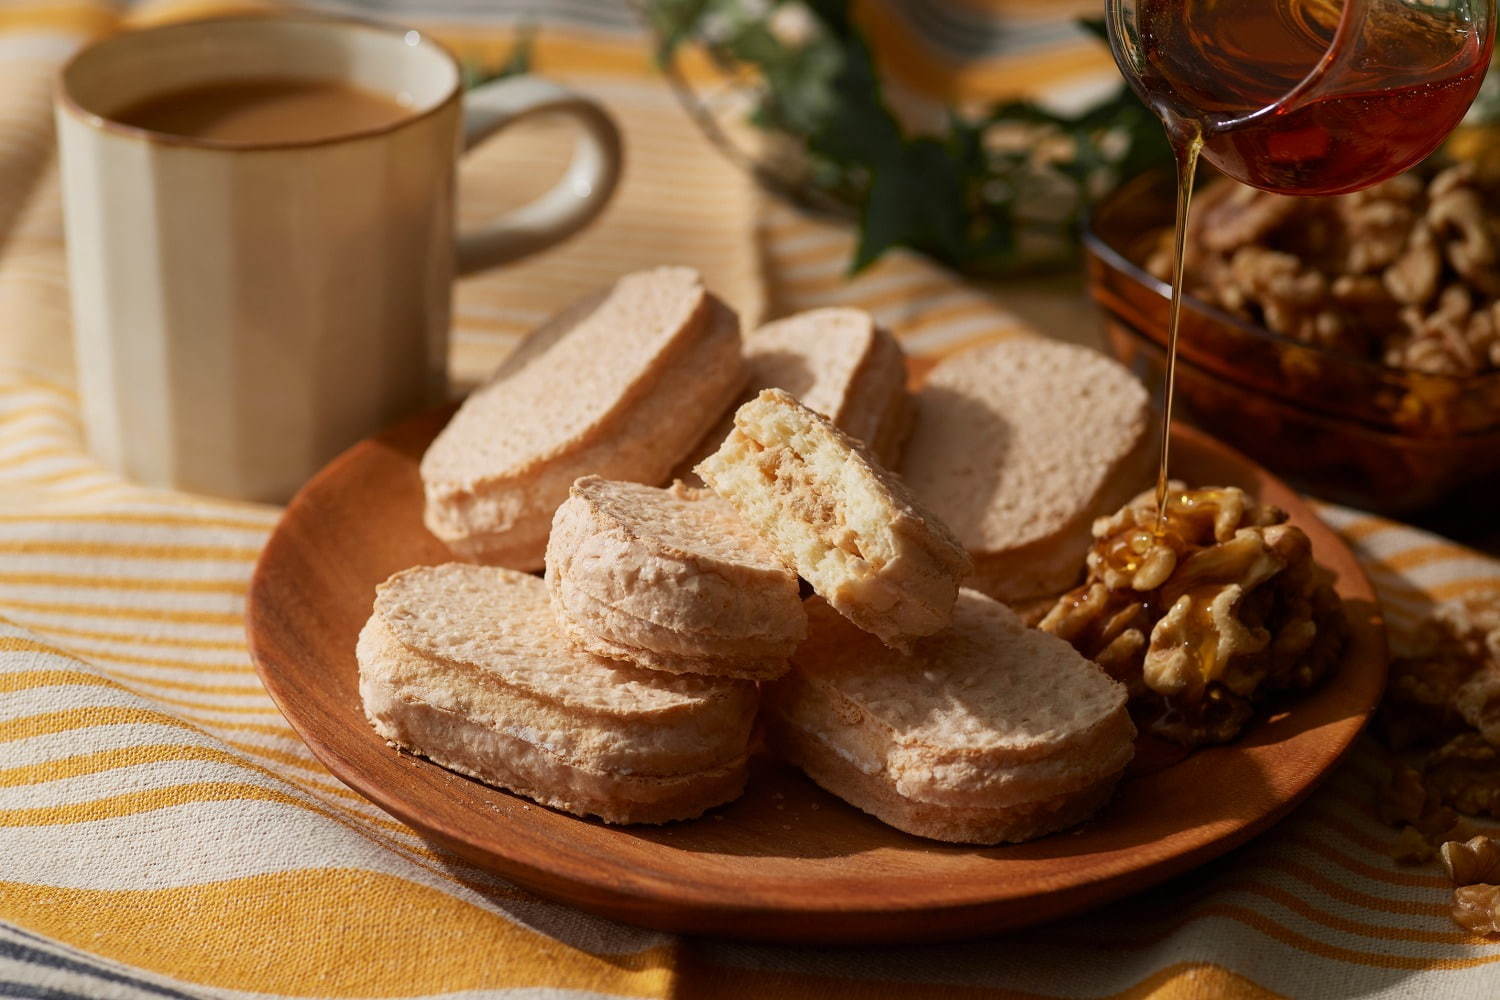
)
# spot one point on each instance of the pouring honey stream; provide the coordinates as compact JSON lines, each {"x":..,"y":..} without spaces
{"x":1297,"y":97}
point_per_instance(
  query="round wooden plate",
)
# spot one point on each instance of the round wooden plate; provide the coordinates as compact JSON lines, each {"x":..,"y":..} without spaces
{"x":787,"y":862}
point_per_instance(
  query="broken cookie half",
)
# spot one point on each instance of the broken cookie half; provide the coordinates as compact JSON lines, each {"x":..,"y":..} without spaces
{"x":848,"y":526}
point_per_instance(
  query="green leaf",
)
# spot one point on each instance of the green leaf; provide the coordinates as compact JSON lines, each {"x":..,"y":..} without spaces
{"x":915,"y":200}
{"x":517,"y":62}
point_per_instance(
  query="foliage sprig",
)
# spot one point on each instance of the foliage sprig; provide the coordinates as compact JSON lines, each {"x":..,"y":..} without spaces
{"x":996,"y":192}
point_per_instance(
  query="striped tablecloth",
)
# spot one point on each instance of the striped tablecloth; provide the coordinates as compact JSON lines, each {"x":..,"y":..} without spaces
{"x":164,"y":834}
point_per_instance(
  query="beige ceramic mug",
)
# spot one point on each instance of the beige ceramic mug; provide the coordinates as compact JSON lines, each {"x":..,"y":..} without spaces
{"x":243,"y":311}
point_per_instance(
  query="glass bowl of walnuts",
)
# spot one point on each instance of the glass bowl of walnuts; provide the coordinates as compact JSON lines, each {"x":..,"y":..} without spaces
{"x":1350,"y":343}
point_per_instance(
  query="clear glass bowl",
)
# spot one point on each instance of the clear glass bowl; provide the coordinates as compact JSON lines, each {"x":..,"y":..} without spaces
{"x":1345,"y":428}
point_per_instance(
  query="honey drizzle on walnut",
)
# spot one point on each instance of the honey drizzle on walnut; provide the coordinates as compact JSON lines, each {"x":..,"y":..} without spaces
{"x":1221,"y":611}
{"x":1187,"y":142}
{"x":1185,"y":523}
{"x":1137,"y":549}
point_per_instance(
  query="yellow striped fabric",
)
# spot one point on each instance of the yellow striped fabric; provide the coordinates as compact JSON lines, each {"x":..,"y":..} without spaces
{"x":163,"y":833}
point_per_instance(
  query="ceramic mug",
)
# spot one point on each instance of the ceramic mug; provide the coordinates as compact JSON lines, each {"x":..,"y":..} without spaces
{"x":242,"y":312}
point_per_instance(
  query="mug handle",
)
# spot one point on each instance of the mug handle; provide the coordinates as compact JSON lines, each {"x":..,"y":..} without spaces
{"x":573,"y":202}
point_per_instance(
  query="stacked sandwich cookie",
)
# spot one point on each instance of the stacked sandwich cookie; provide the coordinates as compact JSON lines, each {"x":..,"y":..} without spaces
{"x":619,"y":687}
{"x":464,"y":665}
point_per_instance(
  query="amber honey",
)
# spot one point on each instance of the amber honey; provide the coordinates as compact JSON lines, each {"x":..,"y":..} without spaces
{"x":1291,"y":96}
{"x":1231,"y":71}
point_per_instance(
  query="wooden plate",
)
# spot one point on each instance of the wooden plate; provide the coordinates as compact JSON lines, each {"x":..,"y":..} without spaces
{"x":787,"y":862}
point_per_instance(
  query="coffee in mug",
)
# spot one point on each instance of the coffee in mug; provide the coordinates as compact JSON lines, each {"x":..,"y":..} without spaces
{"x":259,"y":216}
{"x":268,"y":109}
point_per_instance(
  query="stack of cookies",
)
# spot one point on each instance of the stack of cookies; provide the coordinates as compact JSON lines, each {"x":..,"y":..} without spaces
{"x":464,"y":665}
{"x":626,"y":683}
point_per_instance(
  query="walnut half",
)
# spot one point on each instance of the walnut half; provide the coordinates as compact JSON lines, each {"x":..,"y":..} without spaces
{"x":1476,"y":908}
{"x":1472,"y":861}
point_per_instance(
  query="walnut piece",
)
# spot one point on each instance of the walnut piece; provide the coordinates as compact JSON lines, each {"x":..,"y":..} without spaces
{"x":1443,"y":703}
{"x":1294,"y":299}
{"x":1403,"y":798}
{"x":1476,"y":908}
{"x":1411,"y":848}
{"x":1478,"y":701}
{"x":1472,"y":861}
{"x":1234,"y":216}
{"x":1452,"y":655}
{"x":1412,"y":278}
{"x":1205,"y":621}
{"x":1384,"y":226}
{"x":1196,"y":638}
{"x":1475,"y":621}
{"x":1457,"y":212}
{"x":1425,"y":823}
{"x":1465,"y":773}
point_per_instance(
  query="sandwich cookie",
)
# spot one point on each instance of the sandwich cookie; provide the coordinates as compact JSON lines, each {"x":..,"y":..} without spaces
{"x":837,"y":362}
{"x":623,"y":384}
{"x":670,"y":579}
{"x":987,"y":732}
{"x":463,"y":665}
{"x":848,"y":526}
{"x":1018,"y":446}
